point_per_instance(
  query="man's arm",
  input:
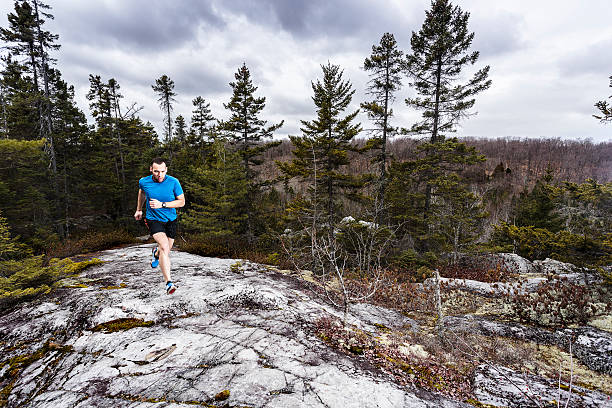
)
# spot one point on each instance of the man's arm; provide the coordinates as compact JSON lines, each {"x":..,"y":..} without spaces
{"x":141,"y":200}
{"x":177,"y":203}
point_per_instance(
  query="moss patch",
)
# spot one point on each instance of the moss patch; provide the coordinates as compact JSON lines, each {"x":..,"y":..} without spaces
{"x":121,"y":325}
{"x":223,"y":395}
{"x":18,"y":363}
{"x":29,"y":278}
{"x":114,"y":287}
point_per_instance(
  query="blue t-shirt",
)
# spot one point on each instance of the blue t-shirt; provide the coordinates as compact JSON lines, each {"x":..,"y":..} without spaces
{"x":165,"y":191}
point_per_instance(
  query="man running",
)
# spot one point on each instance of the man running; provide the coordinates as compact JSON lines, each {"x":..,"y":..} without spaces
{"x":162,"y":194}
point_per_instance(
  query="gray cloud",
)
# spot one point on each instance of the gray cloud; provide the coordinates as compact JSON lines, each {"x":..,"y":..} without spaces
{"x":595,"y":58}
{"x":547,"y":64}
{"x":138,"y":25}
{"x":496,"y":34}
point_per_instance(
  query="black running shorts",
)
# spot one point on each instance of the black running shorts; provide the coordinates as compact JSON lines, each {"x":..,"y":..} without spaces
{"x":154,"y":226}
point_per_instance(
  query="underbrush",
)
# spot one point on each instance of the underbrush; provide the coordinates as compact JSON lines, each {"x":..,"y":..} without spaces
{"x":29,"y":278}
{"x":234,"y":247}
{"x":479,"y":268}
{"x":559,"y":303}
{"x":430,"y":372}
{"x":90,"y":242}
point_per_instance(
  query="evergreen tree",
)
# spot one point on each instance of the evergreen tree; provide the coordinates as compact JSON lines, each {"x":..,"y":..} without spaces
{"x":164,"y":87}
{"x":605,"y":108}
{"x":440,"y":51}
{"x":537,"y":207}
{"x":438,"y":166}
{"x":180,"y":130}
{"x":28,"y":202}
{"x":323,"y":150}
{"x":200,"y":120}
{"x":19,"y":111}
{"x":217,"y":193}
{"x":30,"y":41}
{"x":21,"y":34}
{"x":385,"y":65}
{"x":70,"y":128}
{"x":101,"y":103}
{"x":8,"y":247}
{"x":247,"y":132}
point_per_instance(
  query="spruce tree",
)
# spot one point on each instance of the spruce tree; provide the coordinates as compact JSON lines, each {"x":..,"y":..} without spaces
{"x":180,"y":130}
{"x":384,"y":65}
{"x":247,"y":132}
{"x":164,"y":87}
{"x":19,"y":110}
{"x":322,"y":152}
{"x":70,"y":129}
{"x":437,"y":167}
{"x":29,"y":40}
{"x":201,"y":120}
{"x":217,"y":191}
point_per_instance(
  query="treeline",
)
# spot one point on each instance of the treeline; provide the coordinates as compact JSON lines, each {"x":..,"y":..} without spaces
{"x":320,"y":199}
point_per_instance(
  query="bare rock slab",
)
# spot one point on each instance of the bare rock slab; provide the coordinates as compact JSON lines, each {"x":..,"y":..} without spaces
{"x":122,"y":342}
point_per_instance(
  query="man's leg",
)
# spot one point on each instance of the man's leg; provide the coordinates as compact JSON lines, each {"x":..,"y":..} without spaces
{"x":164,"y":244}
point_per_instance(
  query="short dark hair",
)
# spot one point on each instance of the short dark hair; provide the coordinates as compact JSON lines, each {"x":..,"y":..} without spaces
{"x":158,"y":160}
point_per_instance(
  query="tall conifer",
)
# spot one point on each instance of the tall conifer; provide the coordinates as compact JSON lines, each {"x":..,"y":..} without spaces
{"x":247,"y":131}
{"x":323,"y":149}
{"x":164,"y":87}
{"x":385,"y":66}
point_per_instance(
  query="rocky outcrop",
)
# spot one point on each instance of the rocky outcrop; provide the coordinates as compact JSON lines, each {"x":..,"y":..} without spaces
{"x":234,"y":334}
{"x":501,"y":387}
{"x":590,"y":346}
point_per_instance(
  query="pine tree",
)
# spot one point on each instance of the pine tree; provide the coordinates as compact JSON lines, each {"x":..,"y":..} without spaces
{"x":605,"y":108}
{"x":247,"y":132}
{"x":440,"y":50}
{"x":21,"y":34}
{"x":323,"y":149}
{"x":164,"y":87}
{"x":385,"y":65}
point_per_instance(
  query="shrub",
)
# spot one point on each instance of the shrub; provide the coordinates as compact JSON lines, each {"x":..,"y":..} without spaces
{"x":28,"y":278}
{"x":214,"y":246}
{"x":559,"y":303}
{"x":540,"y":243}
{"x":90,"y":242}
{"x":427,"y":373}
{"x":479,"y":268}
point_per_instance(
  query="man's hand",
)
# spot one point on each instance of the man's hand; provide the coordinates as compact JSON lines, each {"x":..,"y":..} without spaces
{"x":153,"y":203}
{"x":138,"y":215}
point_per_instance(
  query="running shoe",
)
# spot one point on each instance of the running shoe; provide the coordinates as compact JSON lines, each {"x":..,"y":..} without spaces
{"x":155,"y":260}
{"x":170,"y":288}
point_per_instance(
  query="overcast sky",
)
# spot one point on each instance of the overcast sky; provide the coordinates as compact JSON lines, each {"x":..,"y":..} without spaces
{"x":550,"y":59}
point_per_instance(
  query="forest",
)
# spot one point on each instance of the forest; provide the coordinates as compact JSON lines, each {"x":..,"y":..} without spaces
{"x":336,"y":199}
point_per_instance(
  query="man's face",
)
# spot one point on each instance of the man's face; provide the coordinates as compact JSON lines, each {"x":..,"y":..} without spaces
{"x":158,"y":171}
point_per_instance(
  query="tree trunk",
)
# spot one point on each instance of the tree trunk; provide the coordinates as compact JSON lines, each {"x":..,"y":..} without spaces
{"x":438,"y":304}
